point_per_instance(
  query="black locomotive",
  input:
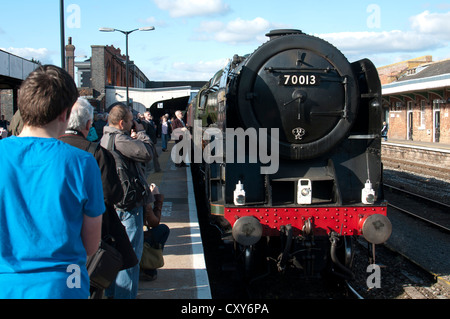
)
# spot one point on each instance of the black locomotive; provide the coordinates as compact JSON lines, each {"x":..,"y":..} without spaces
{"x":314,"y":120}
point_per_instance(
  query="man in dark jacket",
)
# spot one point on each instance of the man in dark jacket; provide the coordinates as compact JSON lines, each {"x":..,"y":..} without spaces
{"x":134,"y":147}
{"x":77,"y":130}
{"x":150,"y":129}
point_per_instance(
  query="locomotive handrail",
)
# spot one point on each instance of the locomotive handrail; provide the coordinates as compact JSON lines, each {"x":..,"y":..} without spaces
{"x":272,"y":69}
{"x":345,"y":111}
{"x":363,"y":136}
{"x":332,"y":113}
{"x":214,"y":88}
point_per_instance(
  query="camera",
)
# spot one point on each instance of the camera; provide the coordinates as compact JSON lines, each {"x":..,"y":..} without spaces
{"x":136,"y":120}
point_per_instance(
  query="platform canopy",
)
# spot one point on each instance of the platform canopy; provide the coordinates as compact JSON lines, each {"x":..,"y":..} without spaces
{"x":13,"y":70}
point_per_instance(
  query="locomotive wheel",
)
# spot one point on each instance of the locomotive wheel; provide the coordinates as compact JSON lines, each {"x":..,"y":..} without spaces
{"x":312,"y":118}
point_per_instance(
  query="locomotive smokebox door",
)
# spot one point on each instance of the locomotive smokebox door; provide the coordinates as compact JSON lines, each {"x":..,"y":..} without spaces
{"x":293,"y":84}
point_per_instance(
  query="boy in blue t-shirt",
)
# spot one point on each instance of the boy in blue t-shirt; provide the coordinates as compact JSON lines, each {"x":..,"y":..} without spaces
{"x":52,"y":197}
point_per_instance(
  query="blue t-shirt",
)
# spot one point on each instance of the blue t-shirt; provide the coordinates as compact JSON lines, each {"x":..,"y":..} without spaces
{"x":46,"y":186}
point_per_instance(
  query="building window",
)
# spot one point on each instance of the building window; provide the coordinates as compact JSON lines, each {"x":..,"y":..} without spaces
{"x":108,"y":73}
{"x":437,"y":105}
{"x":422,"y":114}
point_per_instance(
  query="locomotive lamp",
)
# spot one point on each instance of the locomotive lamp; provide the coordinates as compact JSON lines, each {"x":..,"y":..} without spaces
{"x":239,"y":194}
{"x":368,"y":194}
{"x":304,"y":191}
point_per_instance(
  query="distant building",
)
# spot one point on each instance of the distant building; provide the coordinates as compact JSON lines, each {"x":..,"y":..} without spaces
{"x":416,"y":99}
{"x":393,"y":72}
{"x":106,"y":67}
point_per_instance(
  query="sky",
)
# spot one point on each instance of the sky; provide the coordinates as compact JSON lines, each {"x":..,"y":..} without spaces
{"x":195,"y":38}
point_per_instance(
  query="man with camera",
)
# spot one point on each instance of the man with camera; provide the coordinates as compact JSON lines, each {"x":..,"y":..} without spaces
{"x":149,"y":128}
{"x":133,"y":148}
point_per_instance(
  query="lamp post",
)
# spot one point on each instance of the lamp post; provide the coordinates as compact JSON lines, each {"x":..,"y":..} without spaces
{"x":61,"y":22}
{"x":126,"y":37}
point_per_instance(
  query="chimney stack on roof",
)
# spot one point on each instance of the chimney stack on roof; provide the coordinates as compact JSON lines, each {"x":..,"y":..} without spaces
{"x":70,"y":58}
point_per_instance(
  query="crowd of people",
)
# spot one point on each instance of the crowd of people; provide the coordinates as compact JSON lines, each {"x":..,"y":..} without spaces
{"x":62,"y":191}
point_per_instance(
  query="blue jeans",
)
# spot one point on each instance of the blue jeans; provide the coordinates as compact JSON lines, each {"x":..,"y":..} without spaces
{"x":127,"y":280}
{"x":164,"y":140}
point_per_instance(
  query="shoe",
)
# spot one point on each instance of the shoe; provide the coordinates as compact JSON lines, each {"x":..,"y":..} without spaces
{"x":144,"y":277}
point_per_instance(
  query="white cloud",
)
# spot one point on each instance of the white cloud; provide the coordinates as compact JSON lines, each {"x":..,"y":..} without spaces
{"x":191,"y":8}
{"x":428,"y":31}
{"x":42,"y":54}
{"x":209,"y":67}
{"x":183,"y":71}
{"x":154,"y":22}
{"x":236,"y":31}
{"x":386,"y":41}
{"x":432,"y":24}
{"x":211,"y":26}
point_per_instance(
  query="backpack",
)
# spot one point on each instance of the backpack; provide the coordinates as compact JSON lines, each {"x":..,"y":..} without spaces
{"x":133,"y":185}
{"x":92,"y":147}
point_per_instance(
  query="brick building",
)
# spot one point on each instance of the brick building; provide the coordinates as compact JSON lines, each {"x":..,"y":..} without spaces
{"x":393,"y":72}
{"x":416,"y":99}
{"x":106,"y":67}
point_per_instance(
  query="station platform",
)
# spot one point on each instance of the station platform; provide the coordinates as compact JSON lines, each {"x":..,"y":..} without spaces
{"x":440,"y":147}
{"x":184,"y":274}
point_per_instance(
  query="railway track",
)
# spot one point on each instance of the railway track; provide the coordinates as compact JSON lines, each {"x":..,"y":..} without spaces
{"x":432,"y":212}
{"x":421,"y":228}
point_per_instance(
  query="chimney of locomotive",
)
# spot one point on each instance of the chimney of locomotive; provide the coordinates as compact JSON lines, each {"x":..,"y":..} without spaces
{"x":273,"y":34}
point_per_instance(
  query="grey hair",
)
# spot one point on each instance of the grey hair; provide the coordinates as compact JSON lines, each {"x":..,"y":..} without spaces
{"x":81,"y":113}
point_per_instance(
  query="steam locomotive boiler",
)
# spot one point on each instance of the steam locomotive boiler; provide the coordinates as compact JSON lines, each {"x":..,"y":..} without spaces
{"x":315,"y":183}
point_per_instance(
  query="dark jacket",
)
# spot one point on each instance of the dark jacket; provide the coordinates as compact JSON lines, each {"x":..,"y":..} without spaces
{"x":150,"y":130}
{"x":177,"y":124}
{"x":177,"y":130}
{"x":112,"y":193}
{"x":139,"y":149}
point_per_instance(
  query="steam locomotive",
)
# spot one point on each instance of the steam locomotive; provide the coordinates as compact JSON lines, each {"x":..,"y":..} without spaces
{"x":304,"y":177}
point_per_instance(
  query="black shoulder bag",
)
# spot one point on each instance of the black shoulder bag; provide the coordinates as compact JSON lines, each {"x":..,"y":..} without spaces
{"x":107,"y":261}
